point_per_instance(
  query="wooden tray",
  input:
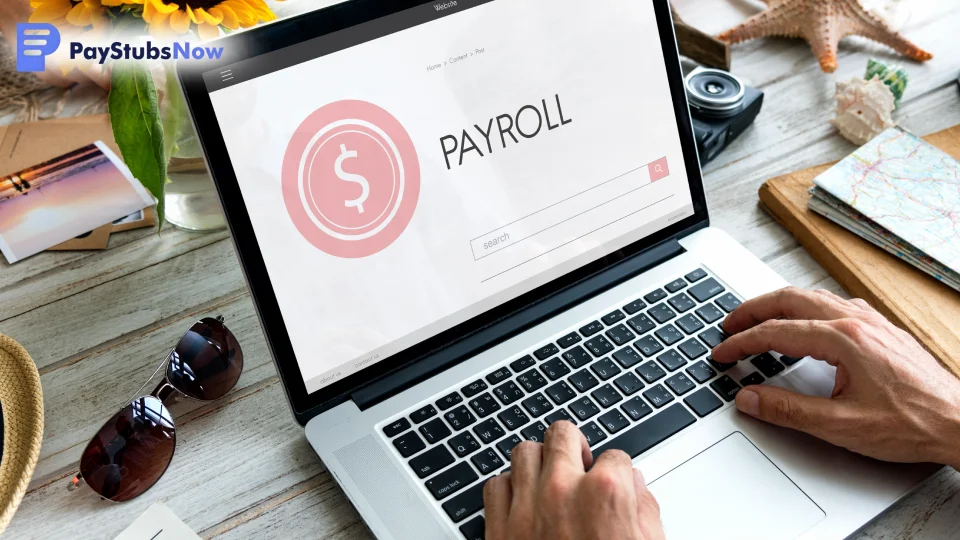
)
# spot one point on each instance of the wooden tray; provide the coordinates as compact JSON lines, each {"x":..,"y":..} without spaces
{"x":914,"y":301}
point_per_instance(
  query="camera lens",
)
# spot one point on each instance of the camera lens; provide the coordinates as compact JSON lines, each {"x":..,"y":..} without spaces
{"x":714,"y":92}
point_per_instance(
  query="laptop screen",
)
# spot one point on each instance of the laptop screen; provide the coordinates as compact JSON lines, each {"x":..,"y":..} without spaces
{"x":408,"y":174}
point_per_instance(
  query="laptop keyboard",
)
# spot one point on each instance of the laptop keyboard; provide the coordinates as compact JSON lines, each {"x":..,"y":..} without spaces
{"x":630,"y":379}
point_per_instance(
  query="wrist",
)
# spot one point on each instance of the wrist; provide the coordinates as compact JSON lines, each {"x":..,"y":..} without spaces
{"x":948,"y":444}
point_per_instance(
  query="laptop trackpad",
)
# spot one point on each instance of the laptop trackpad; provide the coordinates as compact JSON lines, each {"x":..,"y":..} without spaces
{"x":731,"y":490}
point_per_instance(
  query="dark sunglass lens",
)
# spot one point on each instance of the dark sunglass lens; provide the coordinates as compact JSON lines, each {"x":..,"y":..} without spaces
{"x":131,"y":451}
{"x":207,"y":362}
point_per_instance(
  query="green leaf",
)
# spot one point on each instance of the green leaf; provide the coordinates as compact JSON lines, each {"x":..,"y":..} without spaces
{"x":174,"y":111}
{"x":137,"y":129}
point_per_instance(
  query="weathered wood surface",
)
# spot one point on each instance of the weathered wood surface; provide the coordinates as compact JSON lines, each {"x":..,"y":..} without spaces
{"x":99,"y":323}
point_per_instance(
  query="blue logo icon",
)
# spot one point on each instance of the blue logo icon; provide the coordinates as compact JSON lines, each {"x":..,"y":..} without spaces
{"x":35,"y":41}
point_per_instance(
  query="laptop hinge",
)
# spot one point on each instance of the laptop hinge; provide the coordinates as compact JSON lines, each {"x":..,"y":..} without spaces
{"x":426,"y":366}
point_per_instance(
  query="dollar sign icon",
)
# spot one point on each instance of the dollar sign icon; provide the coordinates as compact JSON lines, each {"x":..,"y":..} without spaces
{"x":347,"y":177}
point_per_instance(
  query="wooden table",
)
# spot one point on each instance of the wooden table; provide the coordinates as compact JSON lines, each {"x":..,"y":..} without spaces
{"x":99,"y":323}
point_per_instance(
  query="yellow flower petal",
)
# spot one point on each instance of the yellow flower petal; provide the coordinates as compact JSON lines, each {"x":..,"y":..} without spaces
{"x":193,"y":17}
{"x":114,"y":3}
{"x":50,"y":11}
{"x":245,"y":14}
{"x":161,"y":7}
{"x":79,"y":16}
{"x":160,"y":25}
{"x":227,"y":17}
{"x":208,"y":31}
{"x":207,"y":16}
{"x":179,"y":22}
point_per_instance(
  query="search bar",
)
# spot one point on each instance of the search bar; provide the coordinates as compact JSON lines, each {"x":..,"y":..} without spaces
{"x":590,"y":200}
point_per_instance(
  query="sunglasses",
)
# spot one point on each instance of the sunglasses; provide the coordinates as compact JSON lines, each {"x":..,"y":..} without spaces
{"x":134,"y":448}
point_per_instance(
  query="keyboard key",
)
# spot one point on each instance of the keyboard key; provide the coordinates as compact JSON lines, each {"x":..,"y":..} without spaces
{"x":599,"y":346}
{"x":498,"y":376}
{"x":484,"y":405}
{"x":559,"y":414}
{"x":591,"y":329}
{"x":661,"y":312}
{"x":537,"y":405}
{"x":409,"y":444}
{"x":606,"y":396}
{"x":432,"y":461}
{"x":682,"y":302}
{"x":577,"y":357}
{"x":641,"y":324}
{"x":689,"y":324}
{"x":613,"y":420}
{"x":753,"y":378}
{"x":554,"y":368}
{"x":636,"y":408}
{"x":671,"y":360}
{"x":569,"y":340}
{"x":513,"y":418}
{"x":725,"y":387}
{"x":531,"y":380}
{"x":612,"y":317}
{"x":534,"y":432}
{"x":696,"y":275}
{"x":546,"y":351}
{"x":465,"y":504}
{"x":706,"y":290}
{"x":712,"y":336}
{"x":605,"y":369}
{"x":701,"y":372}
{"x":703,"y":402}
{"x":560,"y":393}
{"x":620,"y":335}
{"x":489,"y":431}
{"x":460,"y":418}
{"x":650,"y":433}
{"x":658,"y":396}
{"x":680,"y":384}
{"x":650,"y":372}
{"x":475,"y":529}
{"x":718,"y":366}
{"x":692,"y":348}
{"x":487,"y":461}
{"x":427,"y":412}
{"x":668,"y":334}
{"x":508,"y":392}
{"x":583,"y":408}
{"x":473,"y":388}
{"x":435,"y":431}
{"x":767,"y":365}
{"x":448,"y":401}
{"x":709,"y":313}
{"x":593,"y":433}
{"x":790,"y":360}
{"x":523,"y":363}
{"x":628,"y":383}
{"x":675,"y":285}
{"x":451,"y":480}
{"x":634,"y":306}
{"x":397,"y":427}
{"x":627,"y":357}
{"x":655,"y":296}
{"x":583,"y":380}
{"x":728,"y":302}
{"x":506,"y":446}
{"x":648,"y":346}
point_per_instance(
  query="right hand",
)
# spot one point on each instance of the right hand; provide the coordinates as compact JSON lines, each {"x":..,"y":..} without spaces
{"x":892,"y":400}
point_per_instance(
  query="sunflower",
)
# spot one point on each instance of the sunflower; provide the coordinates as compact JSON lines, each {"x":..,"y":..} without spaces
{"x":179,"y":16}
{"x":79,"y":13}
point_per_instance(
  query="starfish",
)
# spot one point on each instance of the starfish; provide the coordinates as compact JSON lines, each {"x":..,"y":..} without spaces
{"x":823,"y":23}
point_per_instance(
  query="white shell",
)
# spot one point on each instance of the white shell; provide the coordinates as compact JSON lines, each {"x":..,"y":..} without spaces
{"x":863,"y":109}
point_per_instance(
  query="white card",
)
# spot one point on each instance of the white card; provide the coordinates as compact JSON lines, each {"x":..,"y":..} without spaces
{"x":158,"y":523}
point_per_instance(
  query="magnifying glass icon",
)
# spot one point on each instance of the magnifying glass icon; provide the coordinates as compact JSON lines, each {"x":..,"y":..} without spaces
{"x":658,"y":169}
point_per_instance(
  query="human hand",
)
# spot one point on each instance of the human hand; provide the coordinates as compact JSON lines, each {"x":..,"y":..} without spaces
{"x":892,"y":400}
{"x":549,"y":495}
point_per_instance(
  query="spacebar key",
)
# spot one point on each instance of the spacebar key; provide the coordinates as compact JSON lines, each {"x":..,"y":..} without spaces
{"x":646,"y":435}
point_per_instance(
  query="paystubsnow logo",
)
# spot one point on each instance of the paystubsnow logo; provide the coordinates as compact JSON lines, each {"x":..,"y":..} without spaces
{"x":36,"y":41}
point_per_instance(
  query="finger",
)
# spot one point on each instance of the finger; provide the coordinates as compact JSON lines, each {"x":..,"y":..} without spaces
{"x":525,"y":463}
{"x":648,"y":510}
{"x":497,"y":498}
{"x":792,"y":338}
{"x":786,"y":303}
{"x":565,"y":450}
{"x":613,"y":461}
{"x":862,"y":304}
{"x":787,"y":409}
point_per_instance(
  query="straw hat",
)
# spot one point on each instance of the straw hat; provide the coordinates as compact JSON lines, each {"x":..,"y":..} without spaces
{"x":22,"y":403}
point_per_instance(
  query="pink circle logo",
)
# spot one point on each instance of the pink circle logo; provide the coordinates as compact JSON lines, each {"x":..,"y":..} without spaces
{"x":350,"y":179}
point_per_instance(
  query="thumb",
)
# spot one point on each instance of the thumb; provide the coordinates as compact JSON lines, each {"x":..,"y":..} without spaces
{"x":785,"y":408}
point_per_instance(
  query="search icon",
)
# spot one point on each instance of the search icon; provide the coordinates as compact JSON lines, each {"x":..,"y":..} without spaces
{"x":658,"y":169}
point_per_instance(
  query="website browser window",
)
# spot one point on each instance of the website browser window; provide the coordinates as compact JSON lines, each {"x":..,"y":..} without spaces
{"x":403,"y":184}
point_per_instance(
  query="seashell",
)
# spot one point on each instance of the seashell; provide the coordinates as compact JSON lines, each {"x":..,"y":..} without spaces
{"x":863,"y":109}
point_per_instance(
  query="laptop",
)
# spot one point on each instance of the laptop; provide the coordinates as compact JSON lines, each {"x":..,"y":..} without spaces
{"x":464,"y":220}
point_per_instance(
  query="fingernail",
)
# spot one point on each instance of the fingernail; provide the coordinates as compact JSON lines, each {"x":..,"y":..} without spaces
{"x":748,"y":402}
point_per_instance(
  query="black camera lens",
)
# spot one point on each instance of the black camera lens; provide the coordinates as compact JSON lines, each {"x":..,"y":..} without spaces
{"x":714,"y":92}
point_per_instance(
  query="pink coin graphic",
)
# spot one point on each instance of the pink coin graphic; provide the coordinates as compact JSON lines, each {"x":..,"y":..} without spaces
{"x":350,"y":179}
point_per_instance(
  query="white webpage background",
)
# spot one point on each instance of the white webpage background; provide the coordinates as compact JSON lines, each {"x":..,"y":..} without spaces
{"x":604,"y":60}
